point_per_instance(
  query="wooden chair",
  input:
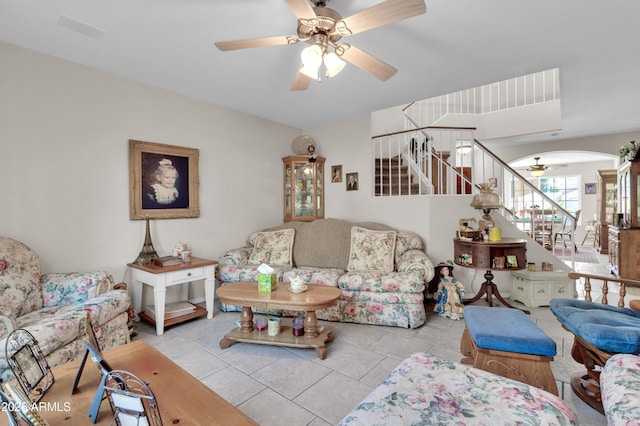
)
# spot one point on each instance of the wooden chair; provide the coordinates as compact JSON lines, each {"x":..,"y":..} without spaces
{"x":590,"y":230}
{"x":568,"y":229}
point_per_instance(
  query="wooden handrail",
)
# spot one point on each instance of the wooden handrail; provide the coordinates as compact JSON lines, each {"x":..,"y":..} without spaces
{"x":624,"y":283}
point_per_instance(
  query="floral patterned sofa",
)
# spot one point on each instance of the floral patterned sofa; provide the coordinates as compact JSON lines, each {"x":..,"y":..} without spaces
{"x":381,"y":271}
{"x":427,"y":390}
{"x":53,"y":306}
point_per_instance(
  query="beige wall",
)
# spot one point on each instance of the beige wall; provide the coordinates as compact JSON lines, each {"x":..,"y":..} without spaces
{"x":64,"y":131}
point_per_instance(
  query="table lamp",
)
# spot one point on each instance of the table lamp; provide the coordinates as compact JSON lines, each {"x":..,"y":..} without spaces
{"x":486,"y":200}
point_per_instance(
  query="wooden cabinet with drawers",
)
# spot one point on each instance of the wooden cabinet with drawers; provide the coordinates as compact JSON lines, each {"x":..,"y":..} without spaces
{"x":624,"y":252}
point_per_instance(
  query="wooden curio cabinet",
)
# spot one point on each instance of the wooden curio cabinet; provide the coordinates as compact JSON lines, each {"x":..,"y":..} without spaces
{"x":628,"y":196}
{"x":606,"y":206}
{"x":624,"y":234}
{"x":303,"y":188}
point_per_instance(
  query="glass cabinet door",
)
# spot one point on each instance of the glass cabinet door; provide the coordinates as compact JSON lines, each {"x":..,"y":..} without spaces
{"x":629,"y":193}
{"x":303,"y":188}
{"x":611,"y":201}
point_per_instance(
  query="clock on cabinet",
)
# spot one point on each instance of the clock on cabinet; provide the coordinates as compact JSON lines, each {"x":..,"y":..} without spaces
{"x":303,"y":188}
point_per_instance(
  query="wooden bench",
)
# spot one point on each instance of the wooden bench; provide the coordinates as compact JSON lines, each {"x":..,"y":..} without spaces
{"x":506,"y":342}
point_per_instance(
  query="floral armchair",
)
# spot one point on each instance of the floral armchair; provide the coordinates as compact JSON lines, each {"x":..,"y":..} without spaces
{"x":53,"y":306}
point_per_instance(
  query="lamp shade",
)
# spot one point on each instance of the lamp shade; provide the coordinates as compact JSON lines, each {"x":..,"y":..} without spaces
{"x":536,"y":173}
{"x":486,"y":199}
{"x":333,"y":63}
{"x":311,"y":56}
{"x":310,"y":71}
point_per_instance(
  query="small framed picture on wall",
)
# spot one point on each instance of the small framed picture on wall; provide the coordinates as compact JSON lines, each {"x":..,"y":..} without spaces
{"x":352,"y":181}
{"x":336,"y":174}
{"x":589,"y":188}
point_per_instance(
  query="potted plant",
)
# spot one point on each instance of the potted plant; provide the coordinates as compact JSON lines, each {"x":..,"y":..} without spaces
{"x":629,"y":150}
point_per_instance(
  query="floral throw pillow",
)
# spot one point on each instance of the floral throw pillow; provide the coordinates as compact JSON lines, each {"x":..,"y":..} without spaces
{"x":274,"y":248}
{"x":371,"y":250}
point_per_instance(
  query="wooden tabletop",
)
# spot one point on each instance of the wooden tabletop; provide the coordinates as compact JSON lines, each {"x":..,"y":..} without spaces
{"x":505,"y":241}
{"x":182,"y":398}
{"x":156,"y":269}
{"x":245,"y":293}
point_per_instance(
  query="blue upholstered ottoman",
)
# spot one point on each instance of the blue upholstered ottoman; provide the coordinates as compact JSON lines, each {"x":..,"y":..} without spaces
{"x":506,"y":342}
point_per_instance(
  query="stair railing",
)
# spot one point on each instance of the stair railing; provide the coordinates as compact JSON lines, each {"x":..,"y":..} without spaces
{"x":525,"y":206}
{"x":428,"y":166}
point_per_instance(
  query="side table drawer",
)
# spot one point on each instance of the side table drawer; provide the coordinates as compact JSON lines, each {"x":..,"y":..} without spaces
{"x":185,"y":275}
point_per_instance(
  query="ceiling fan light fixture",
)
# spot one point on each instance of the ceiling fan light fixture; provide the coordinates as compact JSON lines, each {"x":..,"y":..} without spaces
{"x":333,"y":64}
{"x":537,"y":169}
{"x":310,"y":71}
{"x":312,"y":56}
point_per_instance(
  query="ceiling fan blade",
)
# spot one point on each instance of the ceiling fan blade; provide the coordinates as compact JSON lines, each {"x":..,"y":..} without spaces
{"x":365,"y":61}
{"x":255,"y":42}
{"x":381,"y":14}
{"x":300,"y":81}
{"x":302,"y":9}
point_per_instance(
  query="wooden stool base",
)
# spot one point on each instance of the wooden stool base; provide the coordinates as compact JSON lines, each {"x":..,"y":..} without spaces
{"x":534,"y":370}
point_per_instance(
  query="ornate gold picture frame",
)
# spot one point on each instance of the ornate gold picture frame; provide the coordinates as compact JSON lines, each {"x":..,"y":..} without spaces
{"x":163,"y":181}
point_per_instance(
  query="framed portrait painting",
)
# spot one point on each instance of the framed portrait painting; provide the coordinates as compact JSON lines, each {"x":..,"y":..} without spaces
{"x":589,"y":188}
{"x":163,"y":181}
{"x":352,"y":181}
{"x":336,"y":173}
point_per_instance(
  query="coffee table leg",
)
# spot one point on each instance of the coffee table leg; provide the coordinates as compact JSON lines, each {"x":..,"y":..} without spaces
{"x":310,"y":324}
{"x":246,"y":319}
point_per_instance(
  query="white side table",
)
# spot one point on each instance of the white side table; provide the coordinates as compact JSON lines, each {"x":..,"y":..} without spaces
{"x":160,"y":278}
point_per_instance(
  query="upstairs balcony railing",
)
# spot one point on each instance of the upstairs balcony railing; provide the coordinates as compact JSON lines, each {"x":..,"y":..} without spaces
{"x":527,"y":90}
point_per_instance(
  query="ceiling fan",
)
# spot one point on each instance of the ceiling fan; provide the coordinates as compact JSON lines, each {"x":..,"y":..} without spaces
{"x":323,"y":28}
{"x":537,"y":169}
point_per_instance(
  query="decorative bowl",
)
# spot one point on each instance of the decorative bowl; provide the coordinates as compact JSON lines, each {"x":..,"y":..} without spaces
{"x":298,"y":290}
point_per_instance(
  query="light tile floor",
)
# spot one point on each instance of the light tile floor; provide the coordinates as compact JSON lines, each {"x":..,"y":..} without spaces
{"x":288,"y":386}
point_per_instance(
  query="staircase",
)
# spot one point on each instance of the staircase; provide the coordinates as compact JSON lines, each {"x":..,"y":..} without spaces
{"x":393,"y":178}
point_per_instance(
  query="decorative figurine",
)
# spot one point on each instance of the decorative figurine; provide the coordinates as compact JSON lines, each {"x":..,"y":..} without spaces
{"x":450,"y":293}
{"x":179,"y":248}
{"x":311,"y":150}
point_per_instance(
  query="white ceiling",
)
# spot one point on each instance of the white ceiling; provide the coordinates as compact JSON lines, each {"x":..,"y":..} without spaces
{"x":456,"y":45}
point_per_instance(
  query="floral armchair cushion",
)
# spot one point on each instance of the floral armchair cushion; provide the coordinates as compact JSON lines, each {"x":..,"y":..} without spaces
{"x":20,"y":289}
{"x":68,"y":288}
{"x":620,"y":386}
{"x":371,"y":250}
{"x":273,"y":248}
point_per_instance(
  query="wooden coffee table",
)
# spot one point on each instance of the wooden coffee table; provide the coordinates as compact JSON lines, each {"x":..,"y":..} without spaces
{"x":246,"y":294}
{"x":182,"y":399}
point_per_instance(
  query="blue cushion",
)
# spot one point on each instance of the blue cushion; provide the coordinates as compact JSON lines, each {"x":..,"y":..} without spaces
{"x":505,"y":329}
{"x":610,"y":328}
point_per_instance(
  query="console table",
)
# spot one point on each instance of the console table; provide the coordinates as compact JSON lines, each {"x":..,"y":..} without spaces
{"x":160,"y":278}
{"x":483,"y":254}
